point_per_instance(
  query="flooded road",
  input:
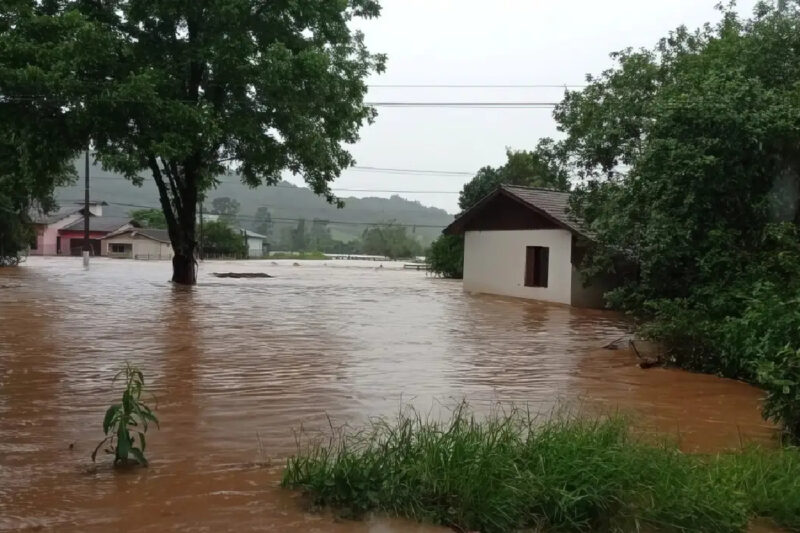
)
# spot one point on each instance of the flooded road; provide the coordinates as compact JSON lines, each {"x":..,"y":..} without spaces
{"x":237,"y":365}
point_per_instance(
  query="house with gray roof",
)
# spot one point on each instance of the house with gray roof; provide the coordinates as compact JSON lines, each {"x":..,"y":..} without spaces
{"x":48,"y":226}
{"x":523,"y":242}
{"x":137,"y":243}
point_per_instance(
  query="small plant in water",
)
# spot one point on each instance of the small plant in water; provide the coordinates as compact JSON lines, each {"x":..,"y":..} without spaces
{"x":125,"y":424}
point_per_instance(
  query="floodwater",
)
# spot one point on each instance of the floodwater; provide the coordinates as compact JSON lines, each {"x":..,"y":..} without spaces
{"x":238,"y":365}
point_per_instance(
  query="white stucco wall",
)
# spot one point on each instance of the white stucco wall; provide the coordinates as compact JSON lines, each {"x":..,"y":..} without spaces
{"x":494,"y":263}
{"x":142,"y":247}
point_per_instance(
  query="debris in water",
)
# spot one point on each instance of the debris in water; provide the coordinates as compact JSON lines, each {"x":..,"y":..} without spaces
{"x":649,"y":353}
{"x":241,"y":275}
{"x":617,"y":343}
{"x":295,"y":264}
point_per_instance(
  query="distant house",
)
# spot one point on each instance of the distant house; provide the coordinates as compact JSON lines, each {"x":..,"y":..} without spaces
{"x":137,"y":243}
{"x":257,"y":245}
{"x":71,"y":236}
{"x":521,"y":242}
{"x":48,"y":241}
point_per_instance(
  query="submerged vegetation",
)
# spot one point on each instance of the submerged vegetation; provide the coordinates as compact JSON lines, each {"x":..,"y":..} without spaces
{"x":126,"y":423}
{"x":512,"y":471}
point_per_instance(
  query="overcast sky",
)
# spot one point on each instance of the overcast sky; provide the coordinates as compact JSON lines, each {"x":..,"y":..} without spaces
{"x":489,"y":42}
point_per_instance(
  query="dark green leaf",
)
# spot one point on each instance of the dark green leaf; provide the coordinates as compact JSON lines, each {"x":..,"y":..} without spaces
{"x":111,"y":413}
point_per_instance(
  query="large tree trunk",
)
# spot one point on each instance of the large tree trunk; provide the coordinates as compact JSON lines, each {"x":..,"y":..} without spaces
{"x":184,"y":268}
{"x":184,"y":262}
{"x":177,"y":191}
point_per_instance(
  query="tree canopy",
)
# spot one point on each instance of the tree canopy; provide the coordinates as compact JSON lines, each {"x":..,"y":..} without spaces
{"x":185,"y":91}
{"x":689,"y":156}
{"x":149,"y":218}
{"x":220,"y":239}
{"x":544,"y":166}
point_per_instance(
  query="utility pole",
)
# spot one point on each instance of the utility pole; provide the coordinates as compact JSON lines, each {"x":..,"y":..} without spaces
{"x":86,"y":246}
{"x":781,"y":5}
{"x":201,"y":229}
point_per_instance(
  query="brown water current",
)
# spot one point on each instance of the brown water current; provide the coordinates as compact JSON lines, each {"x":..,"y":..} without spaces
{"x":237,"y":365}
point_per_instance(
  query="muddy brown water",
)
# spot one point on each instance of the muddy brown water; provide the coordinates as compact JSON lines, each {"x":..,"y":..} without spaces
{"x":237,"y":365}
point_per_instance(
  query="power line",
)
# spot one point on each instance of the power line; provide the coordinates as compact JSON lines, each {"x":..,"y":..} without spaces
{"x":467,"y":105}
{"x":289,"y":219}
{"x":474,"y":86}
{"x":119,"y":178}
{"x":445,"y":104}
{"x":411,"y":171}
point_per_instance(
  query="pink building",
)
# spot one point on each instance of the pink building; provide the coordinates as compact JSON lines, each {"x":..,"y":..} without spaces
{"x":48,"y":241}
{"x":71,"y":237}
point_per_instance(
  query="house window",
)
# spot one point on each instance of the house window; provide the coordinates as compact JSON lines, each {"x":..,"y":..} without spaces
{"x":537,"y":266}
{"x":116,"y":248}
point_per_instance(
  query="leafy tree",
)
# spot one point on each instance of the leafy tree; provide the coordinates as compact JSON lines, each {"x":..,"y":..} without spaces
{"x":391,"y":240}
{"x":691,"y":159}
{"x":299,"y":237}
{"x":263,"y":222}
{"x":319,"y":237}
{"x":149,"y":218}
{"x":226,"y":208}
{"x":189,"y":90}
{"x":220,"y":238}
{"x":33,"y":161}
{"x":542,"y":167}
{"x":446,"y":256}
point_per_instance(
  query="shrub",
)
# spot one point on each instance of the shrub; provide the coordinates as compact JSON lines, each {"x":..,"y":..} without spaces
{"x":126,"y":423}
{"x":512,"y":472}
{"x":446,"y":256}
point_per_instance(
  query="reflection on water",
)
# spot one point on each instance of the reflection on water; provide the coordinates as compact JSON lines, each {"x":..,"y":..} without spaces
{"x":235,"y":361}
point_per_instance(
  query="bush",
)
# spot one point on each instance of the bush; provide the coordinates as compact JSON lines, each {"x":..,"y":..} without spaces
{"x":446,"y":256}
{"x":511,"y":472}
{"x":219,"y":238}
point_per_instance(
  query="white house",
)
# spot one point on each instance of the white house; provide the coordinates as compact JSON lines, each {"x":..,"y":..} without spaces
{"x":257,"y":245}
{"x":521,"y":242}
{"x":137,"y":243}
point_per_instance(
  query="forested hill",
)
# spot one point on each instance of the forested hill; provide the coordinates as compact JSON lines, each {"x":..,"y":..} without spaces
{"x":286,"y":203}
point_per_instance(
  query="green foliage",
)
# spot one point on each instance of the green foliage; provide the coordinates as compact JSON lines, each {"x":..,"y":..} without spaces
{"x":391,"y":240}
{"x":30,"y":169}
{"x":125,"y":424}
{"x":513,"y":472}
{"x":226,"y":208}
{"x":149,"y":218}
{"x":15,"y":232}
{"x":691,"y":165}
{"x":221,"y":239}
{"x":446,"y":256}
{"x":263,"y":222}
{"x":188,"y":91}
{"x":542,"y":167}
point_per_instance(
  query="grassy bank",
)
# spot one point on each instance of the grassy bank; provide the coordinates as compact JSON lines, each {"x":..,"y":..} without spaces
{"x":298,"y":256}
{"x":511,"y":472}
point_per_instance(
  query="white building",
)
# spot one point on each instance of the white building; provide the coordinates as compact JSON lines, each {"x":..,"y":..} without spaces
{"x":257,"y":245}
{"x":137,"y":243}
{"x":521,"y":242}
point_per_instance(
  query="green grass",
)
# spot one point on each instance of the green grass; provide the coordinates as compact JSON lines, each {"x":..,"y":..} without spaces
{"x":298,"y":256}
{"x":512,"y":472}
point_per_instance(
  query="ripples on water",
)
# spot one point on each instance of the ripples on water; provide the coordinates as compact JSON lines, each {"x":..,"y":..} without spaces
{"x":231,"y":359}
